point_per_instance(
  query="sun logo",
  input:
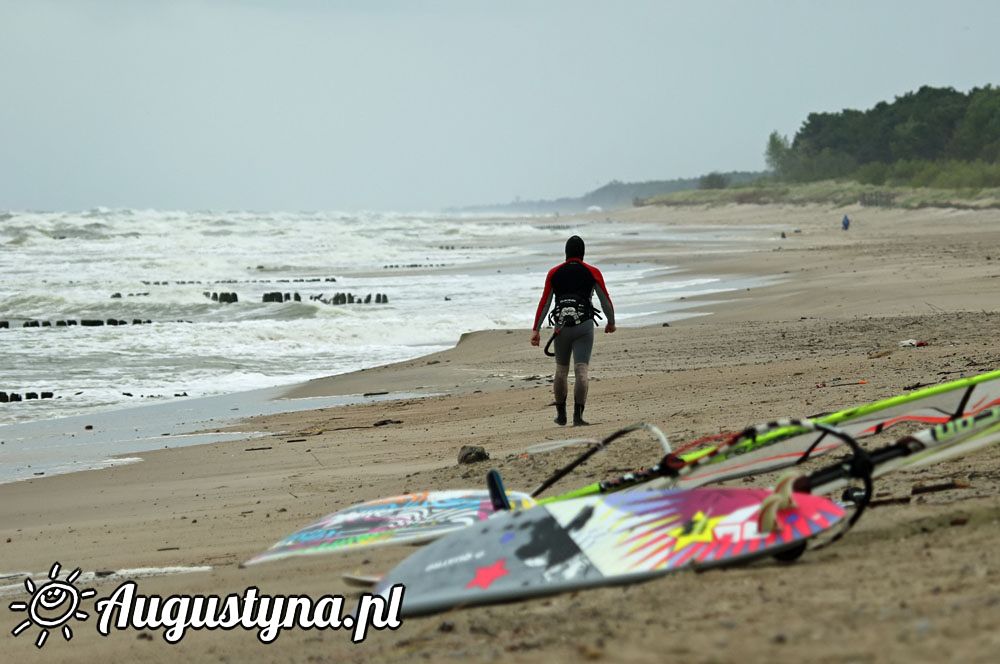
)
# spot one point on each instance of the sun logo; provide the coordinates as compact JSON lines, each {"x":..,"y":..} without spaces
{"x":53,"y":604}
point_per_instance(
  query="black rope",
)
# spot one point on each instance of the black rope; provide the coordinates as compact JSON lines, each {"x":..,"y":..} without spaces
{"x":572,"y":465}
{"x":549,"y":344}
{"x":859,"y":466}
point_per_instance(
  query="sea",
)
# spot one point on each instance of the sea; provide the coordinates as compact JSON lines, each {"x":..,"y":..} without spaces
{"x":354,"y":290}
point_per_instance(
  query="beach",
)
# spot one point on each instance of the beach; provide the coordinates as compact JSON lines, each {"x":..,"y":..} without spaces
{"x":818,"y":330}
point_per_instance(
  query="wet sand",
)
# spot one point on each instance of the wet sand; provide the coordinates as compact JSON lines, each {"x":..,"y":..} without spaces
{"x":913,"y":582}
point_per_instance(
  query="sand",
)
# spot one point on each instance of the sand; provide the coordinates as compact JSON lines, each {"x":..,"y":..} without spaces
{"x":913,"y":582}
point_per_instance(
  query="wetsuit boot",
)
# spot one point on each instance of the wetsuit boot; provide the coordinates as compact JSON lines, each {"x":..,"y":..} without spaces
{"x":578,"y":420}
{"x":560,"y":414}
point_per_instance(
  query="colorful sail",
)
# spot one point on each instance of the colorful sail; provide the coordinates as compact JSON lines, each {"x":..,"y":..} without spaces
{"x":932,"y":445}
{"x":783,"y":447}
{"x":773,"y":446}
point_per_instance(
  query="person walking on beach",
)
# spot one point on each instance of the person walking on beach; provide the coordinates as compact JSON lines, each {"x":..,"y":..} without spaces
{"x":571,"y":285}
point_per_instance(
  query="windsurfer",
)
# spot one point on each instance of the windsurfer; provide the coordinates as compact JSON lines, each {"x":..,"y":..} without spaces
{"x":571,"y":285}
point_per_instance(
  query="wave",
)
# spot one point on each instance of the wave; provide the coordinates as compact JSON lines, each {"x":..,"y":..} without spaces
{"x":69,"y":265}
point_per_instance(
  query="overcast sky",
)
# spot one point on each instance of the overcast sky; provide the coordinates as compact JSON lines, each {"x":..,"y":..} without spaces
{"x":410,"y":105}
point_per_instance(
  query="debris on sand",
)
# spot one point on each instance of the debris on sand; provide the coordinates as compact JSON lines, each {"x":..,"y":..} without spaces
{"x":472,"y":454}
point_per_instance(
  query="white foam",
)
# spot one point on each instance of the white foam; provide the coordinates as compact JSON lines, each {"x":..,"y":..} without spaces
{"x":492,"y":279}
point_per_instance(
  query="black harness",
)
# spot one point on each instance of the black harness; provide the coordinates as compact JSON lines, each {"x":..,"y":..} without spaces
{"x":570,"y":309}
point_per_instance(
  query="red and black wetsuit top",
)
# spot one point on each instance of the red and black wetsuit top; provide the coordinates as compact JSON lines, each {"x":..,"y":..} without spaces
{"x":577,"y":278}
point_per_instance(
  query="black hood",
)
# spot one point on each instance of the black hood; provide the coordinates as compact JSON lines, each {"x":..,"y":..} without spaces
{"x":575,"y":247}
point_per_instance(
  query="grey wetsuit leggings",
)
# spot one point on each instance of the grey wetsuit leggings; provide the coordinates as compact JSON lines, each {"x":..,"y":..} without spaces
{"x":577,"y":340}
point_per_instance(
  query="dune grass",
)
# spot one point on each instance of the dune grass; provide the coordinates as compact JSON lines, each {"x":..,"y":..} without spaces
{"x":834,"y":193}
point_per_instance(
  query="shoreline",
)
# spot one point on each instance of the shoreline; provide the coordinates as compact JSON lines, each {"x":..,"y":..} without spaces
{"x":98,"y":440}
{"x":843,"y":306}
{"x":128,"y":431}
{"x":189,"y":343}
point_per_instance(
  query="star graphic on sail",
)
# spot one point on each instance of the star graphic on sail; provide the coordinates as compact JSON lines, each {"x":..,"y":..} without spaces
{"x":485,"y":576}
{"x":700,"y":528}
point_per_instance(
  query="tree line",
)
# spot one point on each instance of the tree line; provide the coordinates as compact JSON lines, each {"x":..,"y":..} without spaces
{"x":934,"y":137}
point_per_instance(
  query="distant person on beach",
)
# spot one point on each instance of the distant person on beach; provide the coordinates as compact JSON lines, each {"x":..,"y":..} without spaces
{"x":571,"y":285}
{"x":845,"y":223}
